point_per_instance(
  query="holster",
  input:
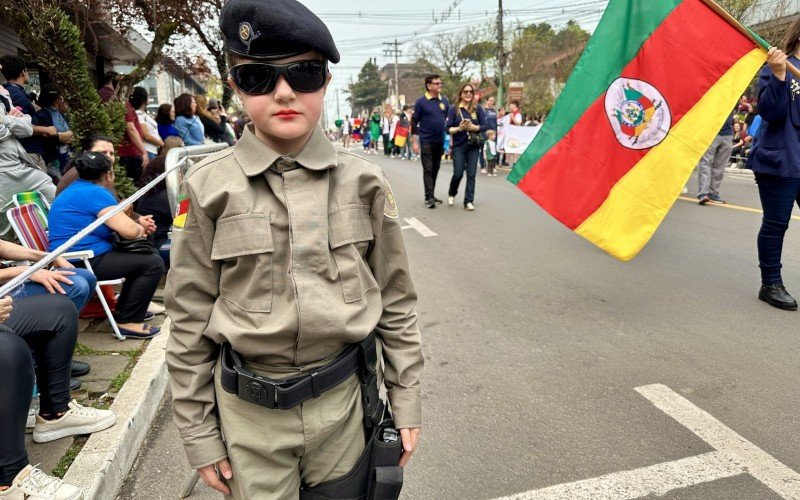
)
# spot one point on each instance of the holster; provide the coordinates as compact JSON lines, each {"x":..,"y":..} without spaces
{"x":376,"y":475}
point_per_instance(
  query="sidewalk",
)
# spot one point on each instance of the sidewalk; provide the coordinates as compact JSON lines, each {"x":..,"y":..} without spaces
{"x":129,"y":377}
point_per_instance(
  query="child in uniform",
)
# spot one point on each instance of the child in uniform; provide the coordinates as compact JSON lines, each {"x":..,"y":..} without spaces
{"x":287,"y":253}
{"x":491,"y":152}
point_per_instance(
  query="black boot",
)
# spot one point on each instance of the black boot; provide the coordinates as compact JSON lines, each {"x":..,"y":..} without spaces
{"x":777,"y":296}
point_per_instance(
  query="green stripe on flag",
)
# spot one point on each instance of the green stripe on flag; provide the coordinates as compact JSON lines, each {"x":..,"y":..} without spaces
{"x":624,"y":27}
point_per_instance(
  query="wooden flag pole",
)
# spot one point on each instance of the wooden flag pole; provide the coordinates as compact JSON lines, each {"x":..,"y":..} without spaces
{"x":746,"y":32}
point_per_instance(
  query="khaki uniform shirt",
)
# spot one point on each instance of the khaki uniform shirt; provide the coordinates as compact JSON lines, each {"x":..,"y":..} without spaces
{"x":289,"y":260}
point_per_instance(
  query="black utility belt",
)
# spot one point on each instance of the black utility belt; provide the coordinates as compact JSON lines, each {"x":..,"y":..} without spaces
{"x":284,"y":394}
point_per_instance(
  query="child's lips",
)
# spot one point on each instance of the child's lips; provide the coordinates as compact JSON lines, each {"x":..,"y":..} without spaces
{"x":287,"y":113}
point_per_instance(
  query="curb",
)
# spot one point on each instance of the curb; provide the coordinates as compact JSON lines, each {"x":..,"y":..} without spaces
{"x":105,"y":460}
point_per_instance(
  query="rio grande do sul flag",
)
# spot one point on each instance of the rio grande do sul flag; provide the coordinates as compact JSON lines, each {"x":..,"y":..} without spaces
{"x":651,"y":91}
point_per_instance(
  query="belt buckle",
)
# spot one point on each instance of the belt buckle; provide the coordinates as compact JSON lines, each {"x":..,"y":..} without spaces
{"x":257,"y":390}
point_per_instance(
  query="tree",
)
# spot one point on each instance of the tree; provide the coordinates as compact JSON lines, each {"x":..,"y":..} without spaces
{"x":543,"y":58}
{"x":368,"y":91}
{"x":55,"y":33}
{"x":450,"y":56}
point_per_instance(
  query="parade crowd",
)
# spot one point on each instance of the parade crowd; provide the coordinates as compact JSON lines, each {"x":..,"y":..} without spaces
{"x":40,"y":162}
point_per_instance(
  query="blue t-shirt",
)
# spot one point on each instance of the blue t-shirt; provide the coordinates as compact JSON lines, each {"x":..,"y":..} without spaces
{"x":167,"y":131}
{"x":74,"y":209}
{"x":191,"y":130}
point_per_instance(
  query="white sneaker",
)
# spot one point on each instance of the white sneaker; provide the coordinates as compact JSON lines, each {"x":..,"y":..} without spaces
{"x":451,"y":200}
{"x":483,"y":171}
{"x":33,"y":484}
{"x":156,"y":308}
{"x":469,"y":207}
{"x":685,"y":190}
{"x":77,"y":420}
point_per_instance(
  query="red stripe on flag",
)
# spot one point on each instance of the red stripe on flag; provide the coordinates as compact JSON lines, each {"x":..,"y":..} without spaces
{"x":683,"y":58}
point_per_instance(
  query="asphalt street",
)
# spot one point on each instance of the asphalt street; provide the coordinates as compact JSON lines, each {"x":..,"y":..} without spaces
{"x":535,"y":342}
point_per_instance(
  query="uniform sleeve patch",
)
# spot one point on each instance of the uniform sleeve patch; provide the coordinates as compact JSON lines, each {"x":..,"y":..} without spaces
{"x":183,"y":211}
{"x":390,"y":205}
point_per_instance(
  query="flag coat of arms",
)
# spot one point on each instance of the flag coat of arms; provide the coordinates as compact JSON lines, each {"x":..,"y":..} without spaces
{"x":650,"y":92}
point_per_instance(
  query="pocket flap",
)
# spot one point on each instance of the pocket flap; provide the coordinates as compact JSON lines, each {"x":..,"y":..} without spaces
{"x":349,"y":224}
{"x":246,"y":234}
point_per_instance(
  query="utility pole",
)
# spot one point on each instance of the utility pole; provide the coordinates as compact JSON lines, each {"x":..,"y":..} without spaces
{"x":501,"y":55}
{"x":338,"y":114}
{"x":393,"y":49}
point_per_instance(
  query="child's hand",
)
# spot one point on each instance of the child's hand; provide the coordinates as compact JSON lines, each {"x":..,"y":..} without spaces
{"x":214,"y":479}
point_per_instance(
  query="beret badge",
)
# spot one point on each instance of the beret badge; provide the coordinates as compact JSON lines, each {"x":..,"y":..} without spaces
{"x":247,"y":34}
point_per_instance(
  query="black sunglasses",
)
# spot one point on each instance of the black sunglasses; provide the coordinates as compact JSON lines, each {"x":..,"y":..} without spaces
{"x":260,"y":78}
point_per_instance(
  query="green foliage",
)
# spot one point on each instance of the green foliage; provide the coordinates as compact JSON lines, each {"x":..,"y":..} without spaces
{"x":57,"y":45}
{"x":368,"y":91}
{"x":543,"y":57}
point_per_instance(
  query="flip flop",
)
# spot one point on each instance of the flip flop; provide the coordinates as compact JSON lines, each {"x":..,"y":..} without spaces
{"x":138,"y":334}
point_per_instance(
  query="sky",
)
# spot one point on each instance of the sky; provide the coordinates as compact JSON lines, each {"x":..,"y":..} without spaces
{"x":360,"y":29}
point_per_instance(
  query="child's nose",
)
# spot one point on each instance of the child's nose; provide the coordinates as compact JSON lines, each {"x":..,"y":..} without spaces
{"x":283,"y":91}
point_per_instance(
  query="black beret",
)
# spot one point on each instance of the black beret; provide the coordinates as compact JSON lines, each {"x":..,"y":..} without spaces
{"x":274,"y":29}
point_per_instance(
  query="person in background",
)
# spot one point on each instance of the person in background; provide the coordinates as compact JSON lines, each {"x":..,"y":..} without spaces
{"x":738,"y":141}
{"x":16,"y":75}
{"x":109,"y":88}
{"x":17,"y":173}
{"x":156,"y":204}
{"x":187,"y":123}
{"x":491,"y":124}
{"x":464,"y":124}
{"x":430,"y":112}
{"x":386,"y":132}
{"x":152,"y":139}
{"x":165,"y":118}
{"x":775,"y":160}
{"x":132,"y":150}
{"x":213,"y":119}
{"x":81,"y":204}
{"x":711,"y":167}
{"x":375,"y":131}
{"x":490,"y":150}
{"x":347,"y":129}
{"x":57,"y":149}
{"x":43,"y":328}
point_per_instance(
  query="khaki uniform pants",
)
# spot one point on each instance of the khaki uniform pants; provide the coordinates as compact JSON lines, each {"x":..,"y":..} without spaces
{"x":270,"y":451}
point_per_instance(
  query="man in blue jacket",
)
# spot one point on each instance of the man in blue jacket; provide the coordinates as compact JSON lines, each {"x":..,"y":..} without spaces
{"x":430,"y":112}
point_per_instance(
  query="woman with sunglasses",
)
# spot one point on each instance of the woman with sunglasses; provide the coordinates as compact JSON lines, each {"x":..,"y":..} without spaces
{"x":287,"y":252}
{"x":465,"y":123}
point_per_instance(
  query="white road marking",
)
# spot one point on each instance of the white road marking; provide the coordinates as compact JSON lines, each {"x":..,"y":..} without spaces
{"x":758,"y":463}
{"x":418,"y":226}
{"x":734,"y":455}
{"x":654,"y":480}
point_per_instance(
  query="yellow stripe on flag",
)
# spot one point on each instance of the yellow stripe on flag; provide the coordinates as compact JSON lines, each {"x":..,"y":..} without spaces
{"x":638,"y":203}
{"x":179,"y":221}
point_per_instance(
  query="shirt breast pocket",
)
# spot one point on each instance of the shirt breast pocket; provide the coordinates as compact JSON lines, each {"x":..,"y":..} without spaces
{"x":243,"y":244}
{"x":350,"y":233}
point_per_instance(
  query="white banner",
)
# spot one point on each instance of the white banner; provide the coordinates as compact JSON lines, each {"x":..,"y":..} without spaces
{"x":516,"y":139}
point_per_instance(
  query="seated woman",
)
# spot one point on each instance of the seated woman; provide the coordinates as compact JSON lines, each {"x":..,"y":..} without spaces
{"x":44,"y":327}
{"x":76,"y":283}
{"x":82,"y":203}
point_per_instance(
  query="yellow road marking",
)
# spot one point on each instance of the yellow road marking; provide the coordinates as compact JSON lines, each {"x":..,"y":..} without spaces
{"x":734,"y":207}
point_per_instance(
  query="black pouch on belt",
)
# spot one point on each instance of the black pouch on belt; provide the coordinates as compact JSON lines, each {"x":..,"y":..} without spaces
{"x":376,"y":475}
